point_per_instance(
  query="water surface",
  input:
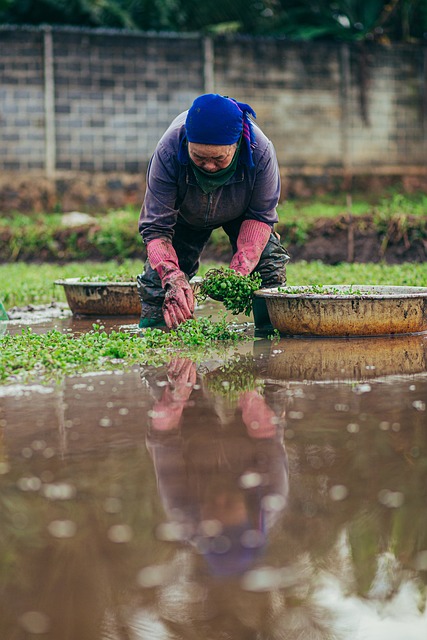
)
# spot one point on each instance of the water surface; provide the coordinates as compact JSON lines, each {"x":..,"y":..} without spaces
{"x":278,"y":490}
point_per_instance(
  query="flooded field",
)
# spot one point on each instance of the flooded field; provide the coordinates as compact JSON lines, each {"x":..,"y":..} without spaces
{"x":275,"y":491}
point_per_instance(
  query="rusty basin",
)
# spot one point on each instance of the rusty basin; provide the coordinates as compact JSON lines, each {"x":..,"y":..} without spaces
{"x":101,"y":298}
{"x":346,"y":310}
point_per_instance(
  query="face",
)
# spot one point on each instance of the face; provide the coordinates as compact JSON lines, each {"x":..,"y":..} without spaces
{"x":211,"y":157}
{"x":228,"y":507}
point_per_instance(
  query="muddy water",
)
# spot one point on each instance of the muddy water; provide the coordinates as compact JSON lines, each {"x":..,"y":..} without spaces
{"x":278,"y":491}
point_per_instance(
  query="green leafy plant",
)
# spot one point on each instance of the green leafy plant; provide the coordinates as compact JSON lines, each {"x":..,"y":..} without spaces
{"x":109,"y":277}
{"x":234,"y":378}
{"x":319,"y":289}
{"x":351,"y":20}
{"x":231,"y":288}
{"x":118,"y":234}
{"x":54,"y":354}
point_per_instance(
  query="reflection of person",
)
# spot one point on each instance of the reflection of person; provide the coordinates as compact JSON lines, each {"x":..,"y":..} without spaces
{"x":226,"y":484}
{"x":212,"y":168}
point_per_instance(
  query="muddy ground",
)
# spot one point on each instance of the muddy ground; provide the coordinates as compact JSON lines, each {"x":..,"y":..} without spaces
{"x":331,"y":240}
{"x":348,"y":239}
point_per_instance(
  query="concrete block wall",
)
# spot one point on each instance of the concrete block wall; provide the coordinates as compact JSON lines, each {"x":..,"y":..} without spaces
{"x":22,"y":114}
{"x":326,"y":106}
{"x":114,"y":96}
{"x":295,"y":91}
{"x":394,"y":129}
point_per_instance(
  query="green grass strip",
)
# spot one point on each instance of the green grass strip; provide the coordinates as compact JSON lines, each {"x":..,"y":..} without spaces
{"x":310,"y":273}
{"x":22,"y":284}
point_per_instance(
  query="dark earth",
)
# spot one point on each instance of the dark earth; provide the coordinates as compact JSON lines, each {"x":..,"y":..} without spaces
{"x":330,"y":240}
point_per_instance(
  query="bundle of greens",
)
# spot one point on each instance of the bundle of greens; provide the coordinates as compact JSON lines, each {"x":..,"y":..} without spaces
{"x":231,"y":288}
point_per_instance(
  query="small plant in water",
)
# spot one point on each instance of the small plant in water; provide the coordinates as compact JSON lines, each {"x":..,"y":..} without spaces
{"x":231,"y":288}
{"x":55,"y":354}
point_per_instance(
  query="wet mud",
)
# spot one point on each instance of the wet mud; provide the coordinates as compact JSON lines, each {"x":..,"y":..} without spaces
{"x":278,"y":490}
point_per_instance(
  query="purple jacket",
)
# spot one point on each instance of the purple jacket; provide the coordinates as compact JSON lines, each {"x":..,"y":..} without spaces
{"x":172,"y":190}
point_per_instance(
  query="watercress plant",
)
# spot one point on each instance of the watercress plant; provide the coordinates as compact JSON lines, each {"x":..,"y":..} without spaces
{"x":319,"y":289}
{"x":231,"y":288}
{"x":54,"y":354}
{"x":109,"y":277}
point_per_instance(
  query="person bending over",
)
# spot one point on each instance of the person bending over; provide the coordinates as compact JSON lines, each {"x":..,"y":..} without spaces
{"x":212,"y":168}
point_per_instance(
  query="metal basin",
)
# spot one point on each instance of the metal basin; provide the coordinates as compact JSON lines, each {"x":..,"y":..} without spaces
{"x":105,"y":298}
{"x":101,"y":298}
{"x":350,"y":310}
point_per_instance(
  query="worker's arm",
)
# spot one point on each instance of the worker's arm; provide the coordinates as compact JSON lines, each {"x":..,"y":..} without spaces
{"x":179,"y":299}
{"x":261,"y":213}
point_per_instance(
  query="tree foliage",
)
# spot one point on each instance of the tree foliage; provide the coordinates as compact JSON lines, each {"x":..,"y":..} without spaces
{"x":381,"y":20}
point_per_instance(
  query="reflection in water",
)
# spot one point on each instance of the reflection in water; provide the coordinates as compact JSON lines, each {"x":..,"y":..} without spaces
{"x":326,"y":359}
{"x":233,"y":499}
{"x":222,"y":481}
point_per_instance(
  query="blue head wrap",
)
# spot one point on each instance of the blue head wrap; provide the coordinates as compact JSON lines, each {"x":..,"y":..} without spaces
{"x":236,"y":558}
{"x":215,"y":119}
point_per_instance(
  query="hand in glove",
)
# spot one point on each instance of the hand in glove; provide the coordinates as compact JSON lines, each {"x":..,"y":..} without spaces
{"x":256,"y":414}
{"x":179,"y":299}
{"x":167,"y":412}
{"x":251,"y":241}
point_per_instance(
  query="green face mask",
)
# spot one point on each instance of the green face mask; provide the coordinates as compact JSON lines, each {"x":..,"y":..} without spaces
{"x":208,"y":182}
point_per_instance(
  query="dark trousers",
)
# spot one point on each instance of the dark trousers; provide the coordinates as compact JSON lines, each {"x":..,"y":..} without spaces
{"x":189,"y":244}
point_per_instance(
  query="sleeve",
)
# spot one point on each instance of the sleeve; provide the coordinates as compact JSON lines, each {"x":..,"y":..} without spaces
{"x":266,"y":189}
{"x":158,"y":213}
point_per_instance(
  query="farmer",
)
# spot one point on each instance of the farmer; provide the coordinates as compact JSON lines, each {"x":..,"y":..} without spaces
{"x":212,"y":168}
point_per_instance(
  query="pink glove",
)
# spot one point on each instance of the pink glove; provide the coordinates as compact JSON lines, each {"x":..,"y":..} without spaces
{"x":257,"y":415}
{"x":251,"y":241}
{"x":167,"y":412}
{"x":179,"y":299}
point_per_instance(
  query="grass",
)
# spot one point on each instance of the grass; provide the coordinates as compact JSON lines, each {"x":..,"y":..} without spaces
{"x":406,"y":274}
{"x":22,"y":284}
{"x":295,"y":210}
{"x":114,"y":233}
{"x":390,"y":204}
